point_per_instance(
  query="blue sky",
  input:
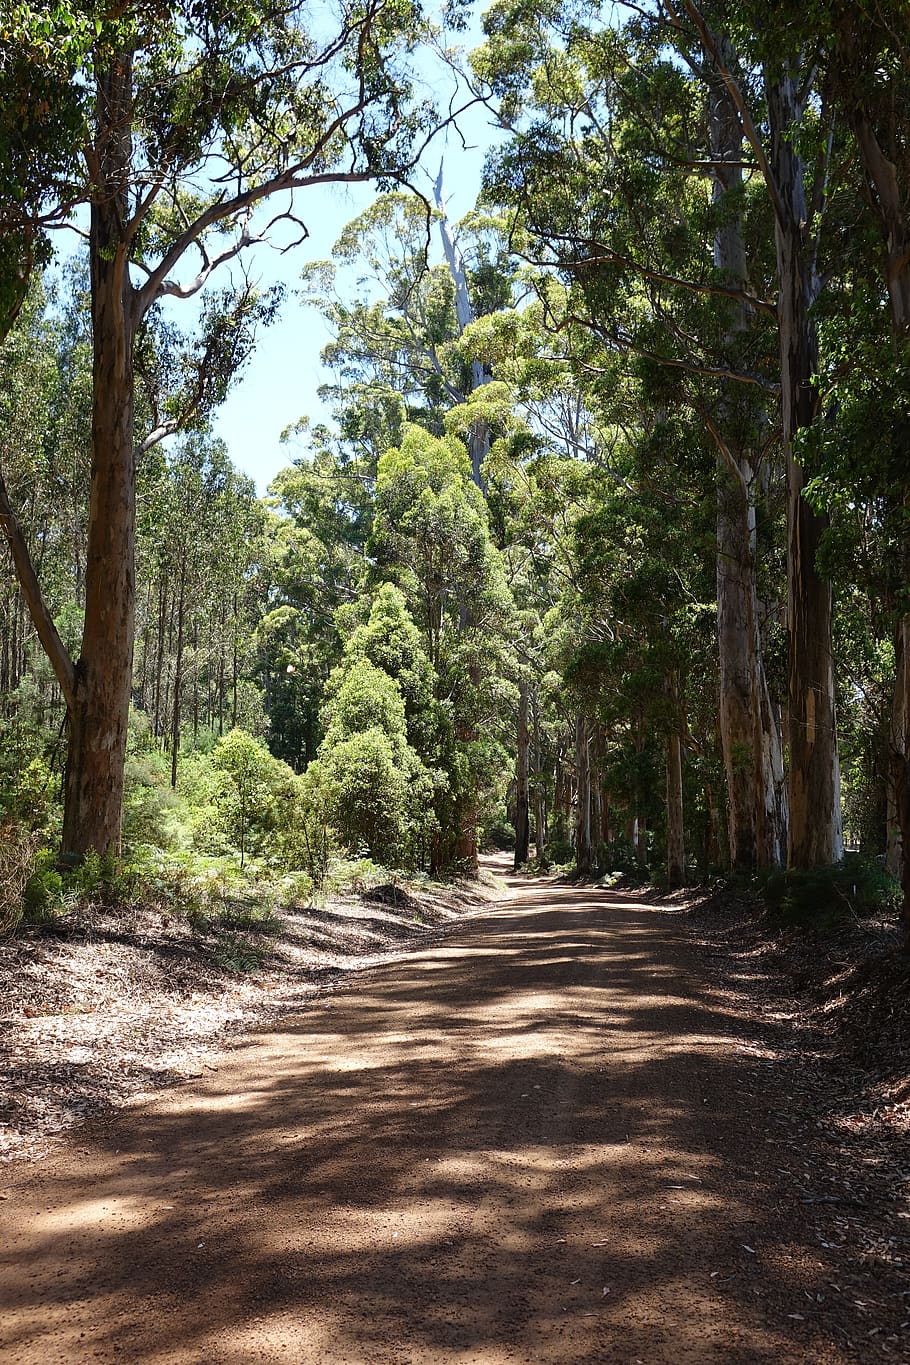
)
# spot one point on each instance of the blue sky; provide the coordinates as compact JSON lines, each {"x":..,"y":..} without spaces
{"x":280,"y":383}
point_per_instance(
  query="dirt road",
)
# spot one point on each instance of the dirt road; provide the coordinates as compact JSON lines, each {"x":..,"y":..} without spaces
{"x":531,"y":1141}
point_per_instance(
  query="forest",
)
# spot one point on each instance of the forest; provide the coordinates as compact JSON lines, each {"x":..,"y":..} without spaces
{"x":604,"y":553}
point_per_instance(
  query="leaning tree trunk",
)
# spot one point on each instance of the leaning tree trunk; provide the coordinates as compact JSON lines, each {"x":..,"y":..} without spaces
{"x":522,"y":802}
{"x":103,"y":675}
{"x":815,"y":835}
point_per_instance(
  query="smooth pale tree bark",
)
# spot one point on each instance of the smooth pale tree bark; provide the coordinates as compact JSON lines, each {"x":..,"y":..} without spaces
{"x":522,"y":801}
{"x":479,"y":436}
{"x":750,"y":737}
{"x":676,"y":844}
{"x":815,"y":832}
{"x":816,"y":835}
{"x":583,"y":796}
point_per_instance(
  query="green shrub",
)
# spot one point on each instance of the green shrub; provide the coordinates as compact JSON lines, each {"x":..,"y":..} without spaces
{"x":152,"y":810}
{"x":209,"y":799}
{"x":43,"y":896}
{"x":378,"y":796}
{"x":855,"y":887}
{"x":262,"y":814}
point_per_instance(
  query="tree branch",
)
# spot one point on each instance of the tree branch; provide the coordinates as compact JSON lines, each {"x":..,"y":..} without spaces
{"x":608,"y":257}
{"x":712,"y":47}
{"x":53,"y":646}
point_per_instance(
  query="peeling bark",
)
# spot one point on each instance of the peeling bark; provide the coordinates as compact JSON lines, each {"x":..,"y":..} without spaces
{"x":750,"y":739}
{"x":103,"y":674}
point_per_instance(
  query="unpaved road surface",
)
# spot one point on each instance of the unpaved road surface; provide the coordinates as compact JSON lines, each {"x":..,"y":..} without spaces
{"x":528,"y":1142}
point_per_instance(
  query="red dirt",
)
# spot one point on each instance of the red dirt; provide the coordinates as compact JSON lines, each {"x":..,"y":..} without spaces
{"x":551,"y":1137}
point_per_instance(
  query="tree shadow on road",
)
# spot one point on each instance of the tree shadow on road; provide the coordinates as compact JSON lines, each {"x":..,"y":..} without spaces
{"x":548,"y":1138}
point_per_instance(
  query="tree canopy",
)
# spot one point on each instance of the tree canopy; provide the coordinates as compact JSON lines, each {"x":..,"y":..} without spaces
{"x":602,"y":543}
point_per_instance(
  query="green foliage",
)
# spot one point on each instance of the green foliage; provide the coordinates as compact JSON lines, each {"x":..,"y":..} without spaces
{"x":363,"y":697}
{"x":259,"y":809}
{"x":52,"y":892}
{"x":857,"y":886}
{"x":377,"y":792}
{"x":43,"y":110}
{"x":380,"y":796}
{"x":151,"y":808}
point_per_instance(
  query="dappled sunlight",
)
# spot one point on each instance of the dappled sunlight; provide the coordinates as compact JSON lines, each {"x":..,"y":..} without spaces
{"x":503,"y":1148}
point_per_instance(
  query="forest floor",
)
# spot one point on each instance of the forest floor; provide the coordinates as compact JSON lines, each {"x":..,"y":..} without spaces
{"x":579,"y":1125}
{"x":107,"y":1006}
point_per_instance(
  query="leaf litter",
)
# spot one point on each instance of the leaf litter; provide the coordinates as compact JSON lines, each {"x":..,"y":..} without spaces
{"x":106,"y":1009}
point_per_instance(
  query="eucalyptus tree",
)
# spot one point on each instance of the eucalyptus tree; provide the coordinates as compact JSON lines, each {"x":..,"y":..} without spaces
{"x":769,"y":72}
{"x":860,"y":454}
{"x":319,"y":519}
{"x":431,"y":537}
{"x":194,"y":114}
{"x":397,"y":331}
{"x":42,"y":46}
{"x":663,"y":138}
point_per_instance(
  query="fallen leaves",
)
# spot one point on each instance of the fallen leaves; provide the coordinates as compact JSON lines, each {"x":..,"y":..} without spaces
{"x":116,"y":1008}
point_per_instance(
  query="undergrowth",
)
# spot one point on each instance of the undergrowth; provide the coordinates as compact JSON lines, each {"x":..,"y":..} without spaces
{"x":858,"y":887}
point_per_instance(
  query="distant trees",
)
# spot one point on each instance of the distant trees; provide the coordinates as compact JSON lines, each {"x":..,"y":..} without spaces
{"x":199,"y":530}
{"x":247,"y":104}
{"x":598,"y":453}
{"x":687,"y":173}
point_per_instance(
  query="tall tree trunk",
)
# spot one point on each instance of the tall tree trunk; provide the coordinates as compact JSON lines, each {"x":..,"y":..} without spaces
{"x":143,"y":673}
{"x":178,"y":672}
{"x":676,"y":847}
{"x":816,"y":835}
{"x":888,"y":200}
{"x":196,"y":681}
{"x":540,"y":817}
{"x":900,"y":761}
{"x":103,"y":675}
{"x":479,"y":435}
{"x":163,"y":608}
{"x":522,"y":801}
{"x":221,"y":674}
{"x":749,"y":739}
{"x":583,"y":796}
{"x":235,"y":663}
